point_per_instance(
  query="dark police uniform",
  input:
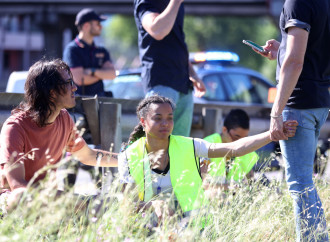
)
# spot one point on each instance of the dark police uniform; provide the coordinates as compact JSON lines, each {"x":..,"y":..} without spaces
{"x":79,"y":54}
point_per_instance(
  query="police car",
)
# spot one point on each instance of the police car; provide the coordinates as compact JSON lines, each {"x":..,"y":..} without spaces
{"x":225,"y":81}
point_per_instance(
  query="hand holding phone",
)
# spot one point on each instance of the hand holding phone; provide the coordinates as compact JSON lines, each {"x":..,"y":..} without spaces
{"x":255,"y":46}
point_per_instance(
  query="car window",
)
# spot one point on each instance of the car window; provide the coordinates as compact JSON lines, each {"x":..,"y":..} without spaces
{"x":126,"y":87}
{"x":214,"y":88}
{"x":243,"y":88}
{"x":261,"y":89}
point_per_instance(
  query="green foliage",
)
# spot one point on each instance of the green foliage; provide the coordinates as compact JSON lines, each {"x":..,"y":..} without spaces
{"x":122,"y":28}
{"x":227,"y":33}
{"x":202,"y":33}
{"x":121,"y":39}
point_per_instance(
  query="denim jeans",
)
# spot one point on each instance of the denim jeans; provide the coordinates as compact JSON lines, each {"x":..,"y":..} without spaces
{"x":299,"y":153}
{"x":184,"y":108}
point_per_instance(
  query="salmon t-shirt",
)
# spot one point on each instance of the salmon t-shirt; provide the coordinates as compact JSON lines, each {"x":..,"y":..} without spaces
{"x":23,"y":140}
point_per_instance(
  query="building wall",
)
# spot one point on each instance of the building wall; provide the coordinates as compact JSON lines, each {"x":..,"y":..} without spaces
{"x":26,"y":38}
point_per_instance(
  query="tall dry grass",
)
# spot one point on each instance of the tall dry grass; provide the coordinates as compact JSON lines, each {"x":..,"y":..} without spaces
{"x":249,"y":213}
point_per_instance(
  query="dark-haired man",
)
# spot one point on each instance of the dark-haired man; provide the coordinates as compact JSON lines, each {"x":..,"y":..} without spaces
{"x":90,"y":64}
{"x":40,"y":129}
{"x":236,"y":126}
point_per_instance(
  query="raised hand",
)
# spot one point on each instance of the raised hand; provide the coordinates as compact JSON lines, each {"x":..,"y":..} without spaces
{"x":199,"y":87}
{"x":272,"y":48}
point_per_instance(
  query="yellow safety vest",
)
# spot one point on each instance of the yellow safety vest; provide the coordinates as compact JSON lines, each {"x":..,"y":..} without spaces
{"x":238,"y":169}
{"x":184,"y":171}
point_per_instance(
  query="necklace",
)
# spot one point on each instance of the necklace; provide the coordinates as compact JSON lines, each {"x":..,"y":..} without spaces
{"x":159,"y":182}
{"x":151,"y":157}
{"x":160,"y":178}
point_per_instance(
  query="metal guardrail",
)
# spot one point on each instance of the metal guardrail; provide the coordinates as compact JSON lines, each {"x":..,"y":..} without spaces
{"x":100,"y":118}
{"x":110,"y":121}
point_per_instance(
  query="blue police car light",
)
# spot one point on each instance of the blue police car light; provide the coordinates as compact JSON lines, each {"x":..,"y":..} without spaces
{"x":215,"y":56}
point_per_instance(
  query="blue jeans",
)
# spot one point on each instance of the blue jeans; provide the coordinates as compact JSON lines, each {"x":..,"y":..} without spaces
{"x":299,"y":153}
{"x":184,"y":108}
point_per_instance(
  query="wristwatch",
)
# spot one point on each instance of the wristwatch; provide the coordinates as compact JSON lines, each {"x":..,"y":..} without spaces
{"x":92,"y":71}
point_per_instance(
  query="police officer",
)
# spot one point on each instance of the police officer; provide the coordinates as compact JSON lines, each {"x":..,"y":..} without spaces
{"x":89,"y":64}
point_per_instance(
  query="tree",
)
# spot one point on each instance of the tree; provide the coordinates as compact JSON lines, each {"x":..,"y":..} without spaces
{"x":227,"y":33}
{"x":121,"y":39}
{"x":202,"y":33}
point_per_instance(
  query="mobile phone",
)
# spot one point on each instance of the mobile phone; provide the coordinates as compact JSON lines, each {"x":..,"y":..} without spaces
{"x":255,"y":46}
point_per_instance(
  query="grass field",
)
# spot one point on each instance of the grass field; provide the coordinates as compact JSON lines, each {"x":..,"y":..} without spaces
{"x":254,"y":213}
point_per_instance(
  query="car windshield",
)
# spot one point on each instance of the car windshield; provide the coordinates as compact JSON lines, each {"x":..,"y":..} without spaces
{"x":126,"y":87}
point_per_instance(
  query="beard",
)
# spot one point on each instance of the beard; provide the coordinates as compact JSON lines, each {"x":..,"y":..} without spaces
{"x":94,"y":32}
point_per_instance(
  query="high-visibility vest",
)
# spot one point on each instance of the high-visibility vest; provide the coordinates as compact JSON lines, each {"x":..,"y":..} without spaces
{"x":184,"y":171}
{"x":239,"y":167}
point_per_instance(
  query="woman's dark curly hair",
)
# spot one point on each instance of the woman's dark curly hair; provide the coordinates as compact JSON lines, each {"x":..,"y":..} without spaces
{"x":43,"y":77}
{"x":142,"y":111}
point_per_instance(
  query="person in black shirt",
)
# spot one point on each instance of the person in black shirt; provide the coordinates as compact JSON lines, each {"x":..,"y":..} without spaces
{"x":166,"y":69}
{"x":303,"y":74}
{"x":89,"y":64}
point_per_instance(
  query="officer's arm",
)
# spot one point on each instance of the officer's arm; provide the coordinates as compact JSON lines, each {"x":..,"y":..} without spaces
{"x":81,"y":77}
{"x":107,"y":72}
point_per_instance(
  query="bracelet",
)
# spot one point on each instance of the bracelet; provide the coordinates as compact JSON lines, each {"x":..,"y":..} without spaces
{"x":275,"y":116}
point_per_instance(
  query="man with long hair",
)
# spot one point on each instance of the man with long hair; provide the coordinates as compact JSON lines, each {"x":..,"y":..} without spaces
{"x":40,"y":129}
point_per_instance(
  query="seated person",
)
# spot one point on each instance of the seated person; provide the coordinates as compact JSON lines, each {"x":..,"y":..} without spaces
{"x":222,"y":170}
{"x":157,"y":162}
{"x":40,"y":129}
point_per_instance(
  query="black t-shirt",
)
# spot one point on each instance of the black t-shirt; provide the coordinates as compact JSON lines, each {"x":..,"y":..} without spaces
{"x":164,"y":62}
{"x":79,"y":54}
{"x":312,"y":89}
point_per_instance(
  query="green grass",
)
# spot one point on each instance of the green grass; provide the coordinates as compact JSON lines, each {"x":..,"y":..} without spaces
{"x":254,"y":213}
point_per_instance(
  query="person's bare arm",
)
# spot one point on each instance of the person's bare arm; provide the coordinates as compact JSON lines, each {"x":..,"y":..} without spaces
{"x":240,"y":147}
{"x":93,"y":157}
{"x":198,"y":83}
{"x":248,"y":144}
{"x":15,"y":175}
{"x":159,"y":25}
{"x":83,"y":76}
{"x":107,"y":72}
{"x":289,"y":74}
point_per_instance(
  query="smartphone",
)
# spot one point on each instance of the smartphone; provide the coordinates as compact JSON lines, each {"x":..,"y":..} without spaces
{"x":255,"y":46}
